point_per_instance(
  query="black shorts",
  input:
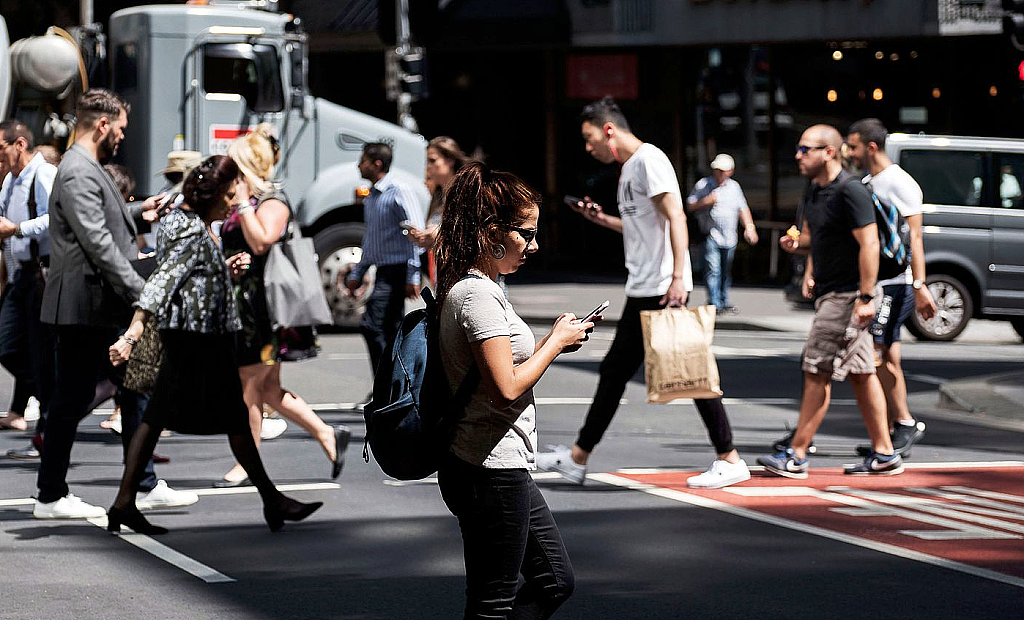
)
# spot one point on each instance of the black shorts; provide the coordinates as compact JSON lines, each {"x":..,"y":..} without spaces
{"x":893,"y":311}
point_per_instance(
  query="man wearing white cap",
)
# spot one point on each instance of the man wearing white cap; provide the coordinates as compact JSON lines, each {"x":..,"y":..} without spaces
{"x":724,"y":198}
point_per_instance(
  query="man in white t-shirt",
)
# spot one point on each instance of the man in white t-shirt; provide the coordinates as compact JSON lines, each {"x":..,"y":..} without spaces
{"x":892,"y":184}
{"x":653,"y":228}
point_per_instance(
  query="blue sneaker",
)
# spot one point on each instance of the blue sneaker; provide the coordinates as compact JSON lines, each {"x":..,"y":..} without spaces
{"x":785,"y":463}
{"x":876,"y":464}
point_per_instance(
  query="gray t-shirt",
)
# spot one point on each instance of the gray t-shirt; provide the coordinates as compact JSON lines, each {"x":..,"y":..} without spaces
{"x":494,"y":437}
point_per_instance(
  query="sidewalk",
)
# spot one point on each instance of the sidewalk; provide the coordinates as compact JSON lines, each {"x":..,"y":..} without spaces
{"x":996,"y":398}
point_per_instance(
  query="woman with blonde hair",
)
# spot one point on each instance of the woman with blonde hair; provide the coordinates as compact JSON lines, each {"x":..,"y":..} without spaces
{"x":254,"y":227}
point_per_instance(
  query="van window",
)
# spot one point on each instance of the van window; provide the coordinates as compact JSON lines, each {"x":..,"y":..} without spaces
{"x":947,"y":177}
{"x":252,"y":71}
{"x":1010,"y":179}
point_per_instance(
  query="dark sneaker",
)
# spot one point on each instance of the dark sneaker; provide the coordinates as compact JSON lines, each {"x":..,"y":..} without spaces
{"x":785,"y":463}
{"x":903,"y":439}
{"x":877,"y":465}
{"x":783,"y":444}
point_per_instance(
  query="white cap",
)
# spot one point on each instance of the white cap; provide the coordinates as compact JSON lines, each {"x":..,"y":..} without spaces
{"x":723,"y":162}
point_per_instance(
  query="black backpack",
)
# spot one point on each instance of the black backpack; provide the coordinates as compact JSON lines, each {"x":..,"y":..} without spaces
{"x":412,"y":415}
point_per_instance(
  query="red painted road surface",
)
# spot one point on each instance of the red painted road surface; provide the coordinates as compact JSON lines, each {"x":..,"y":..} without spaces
{"x":969,"y":515}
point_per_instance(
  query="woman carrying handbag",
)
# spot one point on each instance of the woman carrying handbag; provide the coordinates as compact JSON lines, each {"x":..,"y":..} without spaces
{"x":254,"y":228}
{"x":197,"y":388}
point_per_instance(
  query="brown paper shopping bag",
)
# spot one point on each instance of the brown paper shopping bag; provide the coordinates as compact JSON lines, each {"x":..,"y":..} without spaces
{"x":678,"y":362}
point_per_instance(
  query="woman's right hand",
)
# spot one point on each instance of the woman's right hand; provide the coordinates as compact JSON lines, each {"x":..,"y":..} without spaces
{"x":568,"y":333}
{"x":120,"y":351}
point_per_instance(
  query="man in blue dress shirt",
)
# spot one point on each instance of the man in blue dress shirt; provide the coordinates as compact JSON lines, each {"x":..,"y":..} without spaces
{"x":390,"y":206}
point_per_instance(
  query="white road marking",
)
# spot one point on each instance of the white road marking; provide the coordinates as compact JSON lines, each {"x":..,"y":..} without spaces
{"x":982,"y":493}
{"x":21,"y":501}
{"x":705,"y":502}
{"x":970,"y":501}
{"x":940,"y":509}
{"x":165,"y":553}
{"x":313,"y":486}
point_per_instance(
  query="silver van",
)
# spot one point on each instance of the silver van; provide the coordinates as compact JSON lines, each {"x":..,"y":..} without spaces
{"x":973,"y":228}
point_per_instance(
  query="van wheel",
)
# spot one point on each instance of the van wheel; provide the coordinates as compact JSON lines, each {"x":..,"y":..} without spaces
{"x":1018,"y":326}
{"x":339,"y":248}
{"x":954,"y":309}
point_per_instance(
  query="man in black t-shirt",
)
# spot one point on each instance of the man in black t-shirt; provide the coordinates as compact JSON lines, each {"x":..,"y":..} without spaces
{"x":839,"y":231}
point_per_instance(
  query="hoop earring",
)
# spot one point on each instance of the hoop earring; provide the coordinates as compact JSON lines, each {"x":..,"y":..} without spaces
{"x":498,"y":252}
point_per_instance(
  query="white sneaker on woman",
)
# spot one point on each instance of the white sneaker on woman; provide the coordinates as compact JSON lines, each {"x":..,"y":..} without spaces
{"x":721,"y":474}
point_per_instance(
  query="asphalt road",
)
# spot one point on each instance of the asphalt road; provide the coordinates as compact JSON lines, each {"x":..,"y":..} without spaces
{"x":379,"y":549}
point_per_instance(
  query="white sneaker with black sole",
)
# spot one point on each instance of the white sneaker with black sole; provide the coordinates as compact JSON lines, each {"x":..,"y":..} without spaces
{"x":722,"y":473}
{"x":559,"y":460}
{"x":163,"y":496}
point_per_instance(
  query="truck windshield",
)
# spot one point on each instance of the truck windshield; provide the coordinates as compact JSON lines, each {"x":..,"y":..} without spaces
{"x":252,"y":71}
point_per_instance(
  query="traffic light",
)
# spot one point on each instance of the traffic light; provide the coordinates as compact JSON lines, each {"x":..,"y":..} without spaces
{"x":1013,"y":22}
{"x":406,"y":72}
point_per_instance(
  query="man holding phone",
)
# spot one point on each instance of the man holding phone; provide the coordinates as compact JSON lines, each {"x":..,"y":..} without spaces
{"x":653,"y":227}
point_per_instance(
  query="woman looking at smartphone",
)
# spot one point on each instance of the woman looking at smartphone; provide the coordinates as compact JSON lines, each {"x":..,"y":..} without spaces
{"x":489,"y":228}
{"x":197,"y":390}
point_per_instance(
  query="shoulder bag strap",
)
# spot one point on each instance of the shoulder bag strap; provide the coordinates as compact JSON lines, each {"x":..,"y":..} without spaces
{"x":33,"y":213}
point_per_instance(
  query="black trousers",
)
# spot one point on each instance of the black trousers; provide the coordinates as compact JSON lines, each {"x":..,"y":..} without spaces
{"x":26,"y":343}
{"x":624,"y":358}
{"x":507,"y":531}
{"x":385,"y":309}
{"x":82,"y":361}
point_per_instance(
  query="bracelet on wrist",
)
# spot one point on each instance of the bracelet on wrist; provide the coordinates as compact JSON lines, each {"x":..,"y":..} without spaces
{"x":129,"y":339}
{"x":245,"y":208}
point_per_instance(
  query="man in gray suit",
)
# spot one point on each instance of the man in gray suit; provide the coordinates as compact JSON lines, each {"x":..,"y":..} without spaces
{"x":90,"y":289}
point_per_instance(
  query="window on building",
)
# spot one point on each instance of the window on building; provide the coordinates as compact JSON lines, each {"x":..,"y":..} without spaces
{"x":947,"y":177}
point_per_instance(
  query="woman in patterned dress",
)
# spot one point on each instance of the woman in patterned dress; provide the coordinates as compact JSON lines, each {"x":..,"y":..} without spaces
{"x":254,"y":227}
{"x":197,"y":390}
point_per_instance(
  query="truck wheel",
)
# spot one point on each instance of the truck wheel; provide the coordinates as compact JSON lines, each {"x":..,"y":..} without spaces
{"x":954,"y":309}
{"x":339,"y":248}
{"x":1018,"y":326}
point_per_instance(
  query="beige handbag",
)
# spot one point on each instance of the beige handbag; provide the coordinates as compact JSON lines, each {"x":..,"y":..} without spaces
{"x":678,"y":362}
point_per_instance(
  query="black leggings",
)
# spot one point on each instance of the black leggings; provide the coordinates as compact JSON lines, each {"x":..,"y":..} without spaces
{"x":507,"y":530}
{"x":624,"y":358}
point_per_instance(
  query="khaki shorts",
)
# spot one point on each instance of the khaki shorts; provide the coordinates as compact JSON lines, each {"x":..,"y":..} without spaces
{"x":836,"y":347}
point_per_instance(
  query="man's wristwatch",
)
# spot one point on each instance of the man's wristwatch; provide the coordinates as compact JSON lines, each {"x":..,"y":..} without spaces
{"x":866,"y":298}
{"x":918,"y":285}
{"x":18,"y":233}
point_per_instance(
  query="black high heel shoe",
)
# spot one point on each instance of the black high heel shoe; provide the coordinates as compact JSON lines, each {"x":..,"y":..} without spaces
{"x":288,"y":510}
{"x":133,"y":519}
{"x":341,"y":439}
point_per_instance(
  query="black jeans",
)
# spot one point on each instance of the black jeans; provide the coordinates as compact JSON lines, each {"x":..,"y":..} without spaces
{"x":82,"y":361}
{"x":507,"y":530}
{"x":385,"y":309}
{"x":26,"y":343}
{"x":624,"y":358}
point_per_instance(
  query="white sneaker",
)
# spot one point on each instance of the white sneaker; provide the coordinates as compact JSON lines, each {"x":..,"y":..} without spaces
{"x":272,"y":428}
{"x":67,"y":507}
{"x":720,"y":474}
{"x":559,"y":460}
{"x":163,"y":496}
{"x":32,"y":409}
